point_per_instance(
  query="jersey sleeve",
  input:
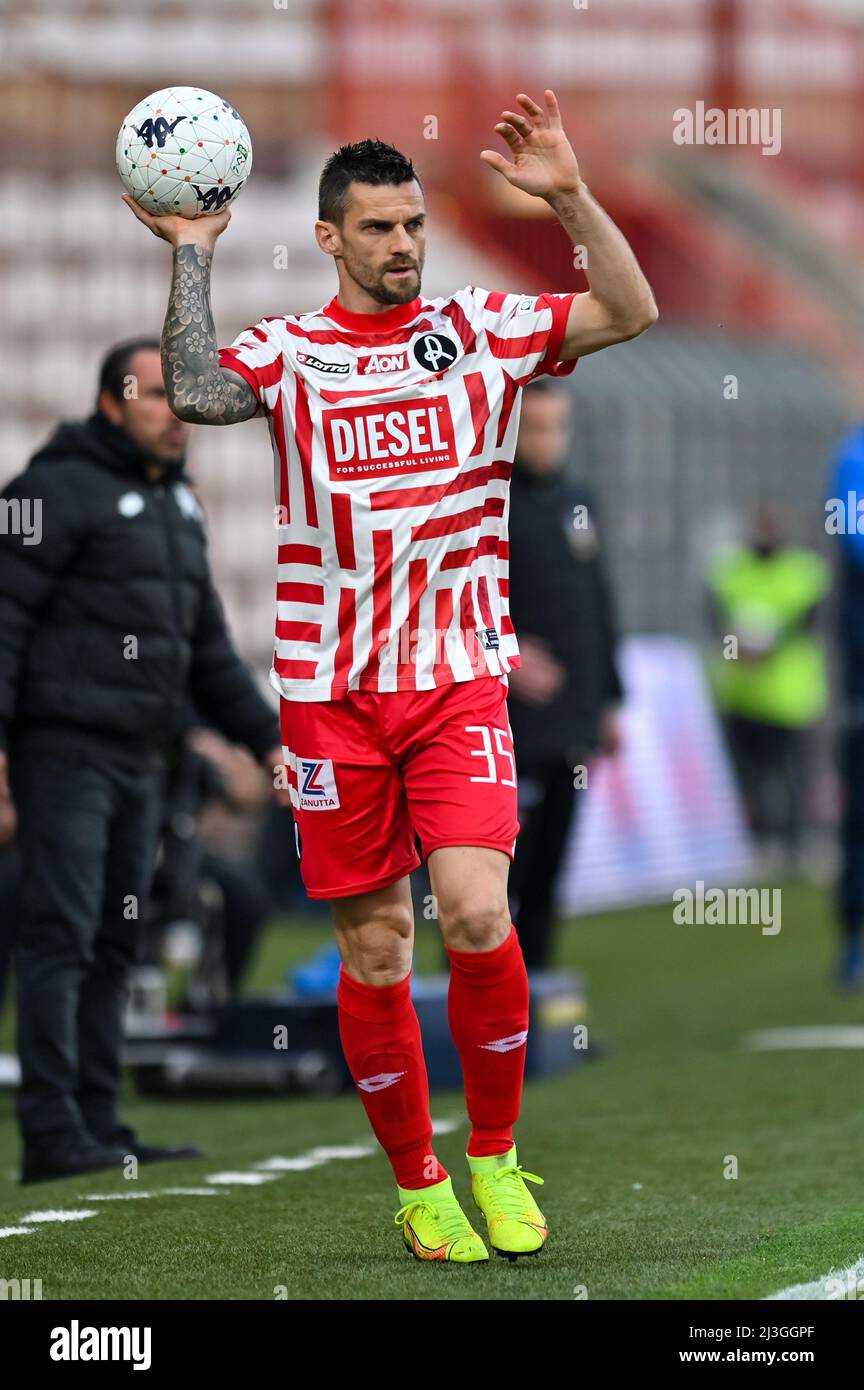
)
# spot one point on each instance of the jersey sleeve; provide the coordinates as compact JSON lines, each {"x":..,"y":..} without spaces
{"x":526,"y":332}
{"x":255,"y":355}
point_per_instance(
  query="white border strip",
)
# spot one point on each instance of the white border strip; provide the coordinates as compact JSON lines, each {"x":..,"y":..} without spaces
{"x":838,"y":1286}
{"x":267,"y":1170}
{"x":795,"y":1039}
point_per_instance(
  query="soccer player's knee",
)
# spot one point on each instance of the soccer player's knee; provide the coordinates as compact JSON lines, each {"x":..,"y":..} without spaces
{"x":469,"y":925}
{"x":378,"y":948}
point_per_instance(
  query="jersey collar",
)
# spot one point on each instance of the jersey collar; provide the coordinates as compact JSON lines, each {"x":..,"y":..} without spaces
{"x":396,"y":317}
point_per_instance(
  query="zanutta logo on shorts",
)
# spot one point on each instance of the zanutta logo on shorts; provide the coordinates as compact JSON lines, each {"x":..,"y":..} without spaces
{"x":369,"y":442}
{"x":332,"y":368}
{"x":316,"y":784}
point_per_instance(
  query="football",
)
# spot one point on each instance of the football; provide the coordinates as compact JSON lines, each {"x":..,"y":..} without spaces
{"x":183,"y":150}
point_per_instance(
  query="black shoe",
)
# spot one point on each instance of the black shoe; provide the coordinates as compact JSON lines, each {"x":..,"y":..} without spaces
{"x":164,"y":1153}
{"x":43,"y":1164}
{"x":129,"y":1143}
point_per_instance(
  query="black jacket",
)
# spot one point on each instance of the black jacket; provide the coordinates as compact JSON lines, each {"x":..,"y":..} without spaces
{"x":110,"y":624}
{"x":558,"y":591}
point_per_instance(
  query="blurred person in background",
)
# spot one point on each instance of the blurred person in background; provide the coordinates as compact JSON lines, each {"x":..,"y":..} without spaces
{"x":846,"y":496}
{"x":109,"y":625}
{"x":564,"y":699}
{"x":206,"y":872}
{"x":771,"y":685}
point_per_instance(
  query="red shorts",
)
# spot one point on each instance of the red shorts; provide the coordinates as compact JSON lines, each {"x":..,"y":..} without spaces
{"x":369,"y":771}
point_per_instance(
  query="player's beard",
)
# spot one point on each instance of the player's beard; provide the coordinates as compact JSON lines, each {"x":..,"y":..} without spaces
{"x":375,"y":283}
{"x":167,"y":452}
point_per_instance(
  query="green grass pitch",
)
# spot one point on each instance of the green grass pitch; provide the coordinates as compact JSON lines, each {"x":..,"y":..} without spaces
{"x":632,"y":1147}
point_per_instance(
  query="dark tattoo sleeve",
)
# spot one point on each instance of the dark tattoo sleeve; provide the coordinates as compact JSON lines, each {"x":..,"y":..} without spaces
{"x":199,"y":391}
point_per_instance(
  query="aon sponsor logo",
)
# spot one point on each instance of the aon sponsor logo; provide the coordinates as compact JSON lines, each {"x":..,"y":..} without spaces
{"x":382,"y":362}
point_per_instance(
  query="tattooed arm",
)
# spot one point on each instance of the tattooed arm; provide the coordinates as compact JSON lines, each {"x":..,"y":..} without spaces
{"x":198,"y":389}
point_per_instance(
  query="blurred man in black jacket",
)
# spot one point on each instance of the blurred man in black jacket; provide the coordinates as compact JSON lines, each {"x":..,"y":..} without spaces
{"x":563,"y":700}
{"x":109,"y":625}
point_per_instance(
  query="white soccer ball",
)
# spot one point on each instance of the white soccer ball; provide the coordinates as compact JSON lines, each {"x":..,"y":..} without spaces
{"x":184,"y":151}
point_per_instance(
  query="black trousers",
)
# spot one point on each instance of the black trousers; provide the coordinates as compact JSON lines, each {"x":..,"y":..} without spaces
{"x":88,"y":828}
{"x":10,"y":891}
{"x":547,"y":808}
{"x":246,"y":906}
{"x":771,"y":766}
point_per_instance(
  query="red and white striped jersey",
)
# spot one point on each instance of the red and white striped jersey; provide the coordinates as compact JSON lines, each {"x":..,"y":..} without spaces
{"x":393,"y":440}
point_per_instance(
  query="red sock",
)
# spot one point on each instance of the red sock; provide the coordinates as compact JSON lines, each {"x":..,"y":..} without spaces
{"x":381,"y":1041}
{"x":488,"y":1011}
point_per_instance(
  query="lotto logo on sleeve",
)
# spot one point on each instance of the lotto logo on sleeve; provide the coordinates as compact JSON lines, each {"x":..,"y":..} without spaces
{"x":368,"y":442}
{"x":316,"y":784}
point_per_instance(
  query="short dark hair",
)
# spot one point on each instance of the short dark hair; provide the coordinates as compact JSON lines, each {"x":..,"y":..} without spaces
{"x":115,"y":364}
{"x":368,"y":161}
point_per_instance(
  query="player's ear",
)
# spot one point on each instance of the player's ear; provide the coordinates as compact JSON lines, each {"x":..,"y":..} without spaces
{"x":327,"y":234}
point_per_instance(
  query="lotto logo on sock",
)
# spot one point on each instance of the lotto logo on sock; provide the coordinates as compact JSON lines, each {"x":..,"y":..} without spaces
{"x":381,"y":1081}
{"x":316,"y":784}
{"x":506,"y":1044}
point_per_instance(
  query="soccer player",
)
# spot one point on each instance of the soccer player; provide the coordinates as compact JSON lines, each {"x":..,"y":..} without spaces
{"x":394,"y":420}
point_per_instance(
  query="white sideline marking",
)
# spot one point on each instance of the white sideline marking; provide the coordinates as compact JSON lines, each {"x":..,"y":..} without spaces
{"x":266,"y":1171}
{"x":781,"y":1039}
{"x":445,"y":1126}
{"x":325,"y":1152}
{"x":289,"y":1165}
{"x":57,"y":1215}
{"x":115,"y":1196}
{"x":828,"y":1288}
{"x":162,"y":1192}
{"x":242,"y":1179}
{"x":189,"y":1192}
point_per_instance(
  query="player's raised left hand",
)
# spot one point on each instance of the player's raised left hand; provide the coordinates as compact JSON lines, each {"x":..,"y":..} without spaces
{"x":543,"y":161}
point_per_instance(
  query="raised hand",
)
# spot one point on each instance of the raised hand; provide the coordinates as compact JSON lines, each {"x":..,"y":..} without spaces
{"x":182,"y":231}
{"x":543,"y":161}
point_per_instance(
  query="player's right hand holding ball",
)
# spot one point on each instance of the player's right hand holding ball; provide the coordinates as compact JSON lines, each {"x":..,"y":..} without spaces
{"x":182,"y":231}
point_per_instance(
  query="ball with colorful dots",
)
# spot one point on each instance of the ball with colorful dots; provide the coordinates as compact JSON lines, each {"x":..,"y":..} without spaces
{"x":184,"y":150}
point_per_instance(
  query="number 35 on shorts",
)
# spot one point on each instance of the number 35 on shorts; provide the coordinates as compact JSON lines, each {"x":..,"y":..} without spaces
{"x":492,"y":749}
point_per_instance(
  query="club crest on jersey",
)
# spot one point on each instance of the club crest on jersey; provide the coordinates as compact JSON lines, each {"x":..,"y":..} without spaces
{"x":316,"y":785}
{"x":332,"y":368}
{"x":434,"y":351}
{"x":378,"y":362}
{"x":369,"y":441}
